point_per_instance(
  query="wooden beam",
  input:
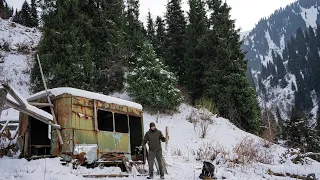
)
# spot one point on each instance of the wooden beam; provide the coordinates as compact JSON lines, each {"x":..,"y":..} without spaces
{"x":48,"y":93}
{"x":40,"y":104}
{"x":14,"y":94}
{"x":104,"y":175}
{"x":30,"y":113}
{"x":95,"y":115}
{"x":3,"y":97}
{"x":49,"y":101}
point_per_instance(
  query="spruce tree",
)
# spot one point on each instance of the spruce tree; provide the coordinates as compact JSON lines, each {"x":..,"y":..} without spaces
{"x":175,"y":38}
{"x":160,"y":36}
{"x":34,"y":14}
{"x":17,"y":17}
{"x":194,"y":66}
{"x":150,"y":29}
{"x":65,"y":52}
{"x":298,"y":133}
{"x":151,"y":84}
{"x":134,"y":36}
{"x":318,"y":119}
{"x":26,"y":19}
{"x":225,"y":72}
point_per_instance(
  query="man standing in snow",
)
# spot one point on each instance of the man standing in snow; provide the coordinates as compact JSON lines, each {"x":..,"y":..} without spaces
{"x":154,"y":138}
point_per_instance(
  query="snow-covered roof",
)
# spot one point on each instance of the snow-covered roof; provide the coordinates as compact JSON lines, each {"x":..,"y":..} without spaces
{"x":89,"y":95}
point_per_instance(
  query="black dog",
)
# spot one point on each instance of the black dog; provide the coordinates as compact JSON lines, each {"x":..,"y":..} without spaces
{"x":207,"y":170}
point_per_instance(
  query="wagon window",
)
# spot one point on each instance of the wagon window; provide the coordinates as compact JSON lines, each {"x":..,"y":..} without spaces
{"x":121,"y":122}
{"x":105,"y":120}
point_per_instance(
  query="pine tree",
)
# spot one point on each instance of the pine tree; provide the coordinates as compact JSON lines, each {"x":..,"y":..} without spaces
{"x":134,"y":37}
{"x":151,"y":29}
{"x":17,"y":17}
{"x":298,"y":133}
{"x":160,"y":36}
{"x":65,"y":52}
{"x":317,"y":128}
{"x":1,"y":8}
{"x":26,"y":15}
{"x":225,"y":72}
{"x":151,"y":84}
{"x":194,"y":66}
{"x":5,"y":11}
{"x":34,"y":14}
{"x":175,"y":38}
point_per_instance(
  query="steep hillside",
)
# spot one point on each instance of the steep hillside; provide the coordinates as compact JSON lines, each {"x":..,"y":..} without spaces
{"x":17,"y":44}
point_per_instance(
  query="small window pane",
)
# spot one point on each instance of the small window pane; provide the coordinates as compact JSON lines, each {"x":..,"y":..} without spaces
{"x":105,"y":120}
{"x":121,"y":121}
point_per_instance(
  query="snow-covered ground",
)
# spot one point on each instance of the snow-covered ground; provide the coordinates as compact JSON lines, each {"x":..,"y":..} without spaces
{"x":180,"y":155}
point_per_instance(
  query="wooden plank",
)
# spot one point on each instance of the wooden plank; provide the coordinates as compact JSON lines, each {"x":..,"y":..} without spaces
{"x":4,"y":126}
{"x":3,"y":97}
{"x":104,"y":175}
{"x":14,"y":94}
{"x":49,"y":101}
{"x":48,"y":93}
{"x":167,"y":137}
{"x":30,"y":113}
{"x":40,"y":104}
{"x":95,"y":115}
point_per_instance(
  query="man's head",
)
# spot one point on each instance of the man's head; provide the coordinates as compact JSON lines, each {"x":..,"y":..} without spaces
{"x":152,"y":126}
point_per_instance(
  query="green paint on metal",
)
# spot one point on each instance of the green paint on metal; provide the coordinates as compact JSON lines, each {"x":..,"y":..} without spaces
{"x":67,"y":136}
{"x":122,"y":142}
{"x":84,"y":137}
{"x":106,"y":141}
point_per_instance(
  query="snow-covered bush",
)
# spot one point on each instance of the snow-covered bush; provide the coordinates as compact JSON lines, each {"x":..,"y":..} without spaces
{"x":211,"y":152}
{"x":249,"y":151}
{"x":151,"y":84}
{"x":203,"y":117}
{"x":295,"y":156}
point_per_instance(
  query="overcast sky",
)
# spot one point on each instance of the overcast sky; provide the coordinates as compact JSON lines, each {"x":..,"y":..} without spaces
{"x":246,"y":12}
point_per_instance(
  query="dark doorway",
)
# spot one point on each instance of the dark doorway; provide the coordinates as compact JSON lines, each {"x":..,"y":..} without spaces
{"x":136,"y":134}
{"x":40,"y":142}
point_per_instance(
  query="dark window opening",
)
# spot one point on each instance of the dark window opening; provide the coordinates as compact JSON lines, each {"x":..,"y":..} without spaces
{"x":136,"y":134}
{"x":105,"y":120}
{"x":39,"y":140}
{"x":121,"y":121}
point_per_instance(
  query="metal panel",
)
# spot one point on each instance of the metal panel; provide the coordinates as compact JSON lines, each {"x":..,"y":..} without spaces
{"x":134,"y":111}
{"x":82,"y":113}
{"x":62,"y":109}
{"x":106,"y":141}
{"x":84,"y":137}
{"x":122,"y":142}
{"x":81,"y":120}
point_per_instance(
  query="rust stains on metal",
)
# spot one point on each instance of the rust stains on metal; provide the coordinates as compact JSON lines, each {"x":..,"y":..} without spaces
{"x":76,"y":116}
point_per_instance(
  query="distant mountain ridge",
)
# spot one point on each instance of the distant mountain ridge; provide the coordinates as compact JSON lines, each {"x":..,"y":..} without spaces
{"x":272,"y":33}
{"x":268,"y":40}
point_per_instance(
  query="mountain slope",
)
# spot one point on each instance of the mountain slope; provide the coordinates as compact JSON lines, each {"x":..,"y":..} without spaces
{"x":272,"y":33}
{"x":17,"y":44}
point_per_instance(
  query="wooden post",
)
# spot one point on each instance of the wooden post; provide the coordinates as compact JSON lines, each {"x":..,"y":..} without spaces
{"x":49,"y":101}
{"x":3,"y":97}
{"x":167,"y":137}
{"x":157,"y":119}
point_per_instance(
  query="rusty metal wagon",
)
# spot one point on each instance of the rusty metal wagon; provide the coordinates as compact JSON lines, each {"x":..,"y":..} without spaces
{"x":89,"y":127}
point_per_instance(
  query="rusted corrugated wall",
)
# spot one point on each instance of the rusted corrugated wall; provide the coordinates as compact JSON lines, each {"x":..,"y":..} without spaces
{"x":78,"y":123}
